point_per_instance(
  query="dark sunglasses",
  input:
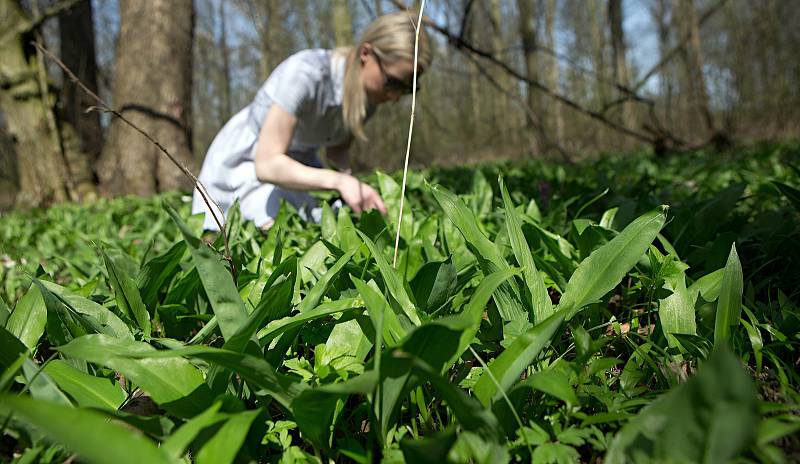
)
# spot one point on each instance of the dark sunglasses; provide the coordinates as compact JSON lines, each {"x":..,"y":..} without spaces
{"x":391,"y":83}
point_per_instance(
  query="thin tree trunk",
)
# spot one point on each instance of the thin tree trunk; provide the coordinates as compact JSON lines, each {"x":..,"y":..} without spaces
{"x":615,"y":16}
{"x":556,"y":117}
{"x":342,"y":23}
{"x":693,"y":65}
{"x":152,"y":87}
{"x":84,"y":144}
{"x":527,"y":31}
{"x":227,"y":104}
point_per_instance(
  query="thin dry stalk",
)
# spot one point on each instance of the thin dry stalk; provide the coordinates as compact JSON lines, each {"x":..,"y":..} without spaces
{"x":417,"y":28}
{"x":103,"y":106}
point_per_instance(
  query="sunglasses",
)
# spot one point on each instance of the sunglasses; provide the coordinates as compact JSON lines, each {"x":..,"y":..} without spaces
{"x":391,"y":83}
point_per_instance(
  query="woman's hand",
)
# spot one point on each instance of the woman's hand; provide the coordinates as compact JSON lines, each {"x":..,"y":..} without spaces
{"x":358,"y":195}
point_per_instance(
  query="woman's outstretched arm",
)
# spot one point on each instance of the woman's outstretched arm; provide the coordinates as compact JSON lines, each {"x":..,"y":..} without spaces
{"x":273,"y":165}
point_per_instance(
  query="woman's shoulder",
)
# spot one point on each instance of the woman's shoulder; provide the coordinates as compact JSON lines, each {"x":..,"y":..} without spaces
{"x":313,"y":61}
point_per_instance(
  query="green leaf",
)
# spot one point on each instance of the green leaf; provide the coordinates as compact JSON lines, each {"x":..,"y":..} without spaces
{"x":729,"y":305}
{"x":433,"y":284}
{"x":156,"y":273}
{"x":28,"y":320}
{"x":87,"y":390}
{"x":507,"y":367}
{"x":225,"y":444}
{"x":431,"y":450}
{"x":553,"y":383}
{"x":88,"y":433}
{"x":707,"y":286}
{"x":217,"y":281}
{"x":129,"y":301}
{"x":380,"y":314}
{"x":710,"y":418}
{"x":316,"y":293}
{"x":264,"y":378}
{"x":175,"y":445}
{"x":488,"y":254}
{"x":276,"y":328}
{"x":4,"y":312}
{"x":540,"y":299}
{"x":92,"y":316}
{"x":390,"y":192}
{"x":174,"y":384}
{"x":676,"y":311}
{"x":605,"y":267}
{"x":393,"y":280}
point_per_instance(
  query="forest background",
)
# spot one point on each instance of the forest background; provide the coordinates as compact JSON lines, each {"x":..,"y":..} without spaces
{"x":565,"y":79}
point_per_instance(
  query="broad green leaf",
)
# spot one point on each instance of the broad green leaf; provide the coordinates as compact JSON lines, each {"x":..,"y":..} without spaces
{"x":381,"y":315}
{"x":129,"y":301}
{"x":28,"y":320}
{"x":605,"y":267}
{"x":729,"y":305}
{"x":487,"y":253}
{"x":13,"y":356}
{"x":711,"y":418}
{"x":540,"y":300}
{"x":217,"y":282}
{"x":676,"y":311}
{"x":507,"y":367}
{"x":88,"y":433}
{"x":278,"y":327}
{"x":5,"y":313}
{"x":92,"y":315}
{"x":174,"y":384}
{"x":433,"y":284}
{"x":87,"y":390}
{"x":431,"y":450}
{"x":175,"y":445}
{"x":553,"y":383}
{"x":393,"y":281}
{"x":155,"y":274}
{"x":316,"y":293}
{"x":225,"y":444}
{"x":390,"y":192}
{"x":707,"y":286}
{"x":265,"y":379}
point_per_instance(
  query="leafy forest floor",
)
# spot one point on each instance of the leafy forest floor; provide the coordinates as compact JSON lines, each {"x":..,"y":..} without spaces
{"x":627,"y":309}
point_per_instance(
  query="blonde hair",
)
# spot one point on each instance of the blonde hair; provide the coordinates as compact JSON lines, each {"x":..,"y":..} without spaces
{"x":392,"y":39}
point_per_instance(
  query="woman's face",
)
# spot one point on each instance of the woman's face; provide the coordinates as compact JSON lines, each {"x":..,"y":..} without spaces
{"x":383,"y":80}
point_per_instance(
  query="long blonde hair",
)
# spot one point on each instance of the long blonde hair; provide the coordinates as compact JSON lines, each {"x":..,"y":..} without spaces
{"x":392,"y":39}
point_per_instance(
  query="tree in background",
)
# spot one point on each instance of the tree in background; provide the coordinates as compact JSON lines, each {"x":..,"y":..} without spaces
{"x":76,"y":34}
{"x":152,"y":88}
{"x":28,"y":112}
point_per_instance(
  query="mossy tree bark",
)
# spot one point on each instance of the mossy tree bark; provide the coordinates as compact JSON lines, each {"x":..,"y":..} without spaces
{"x":43,"y":174}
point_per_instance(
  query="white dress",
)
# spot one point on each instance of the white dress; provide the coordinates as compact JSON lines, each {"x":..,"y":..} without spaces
{"x":308,"y":85}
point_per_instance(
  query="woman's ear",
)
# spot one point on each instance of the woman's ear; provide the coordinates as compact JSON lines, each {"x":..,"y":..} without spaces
{"x":364,"y":51}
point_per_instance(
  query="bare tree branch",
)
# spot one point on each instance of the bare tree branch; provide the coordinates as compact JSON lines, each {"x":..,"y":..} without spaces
{"x":677,"y":48}
{"x":462,"y":45}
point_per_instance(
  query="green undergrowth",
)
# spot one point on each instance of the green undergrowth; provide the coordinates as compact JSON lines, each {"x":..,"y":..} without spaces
{"x":629,"y":309}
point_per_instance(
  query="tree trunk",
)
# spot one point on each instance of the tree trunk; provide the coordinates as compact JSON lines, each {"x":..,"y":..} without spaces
{"x":42,"y":174}
{"x":227,"y":101}
{"x":527,"y":31}
{"x":152,"y":88}
{"x":693,"y":66}
{"x":615,"y":16}
{"x":556,"y":118}
{"x":342,"y":23}
{"x":83,"y":145}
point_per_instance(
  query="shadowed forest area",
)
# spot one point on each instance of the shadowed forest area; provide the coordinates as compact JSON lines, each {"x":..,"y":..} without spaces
{"x":592,"y":258}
